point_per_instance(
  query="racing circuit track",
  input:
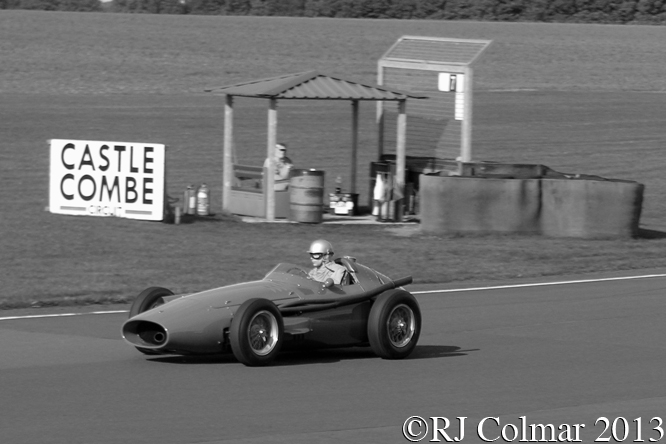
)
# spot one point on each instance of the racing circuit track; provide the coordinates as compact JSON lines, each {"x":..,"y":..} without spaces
{"x":564,"y":354}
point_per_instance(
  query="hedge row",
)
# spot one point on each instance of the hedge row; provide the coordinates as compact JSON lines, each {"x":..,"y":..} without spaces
{"x":582,"y":11}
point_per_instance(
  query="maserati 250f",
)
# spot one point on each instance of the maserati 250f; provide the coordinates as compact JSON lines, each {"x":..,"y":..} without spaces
{"x":284,"y":310}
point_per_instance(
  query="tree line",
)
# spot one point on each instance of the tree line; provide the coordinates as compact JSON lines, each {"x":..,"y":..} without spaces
{"x":580,"y":11}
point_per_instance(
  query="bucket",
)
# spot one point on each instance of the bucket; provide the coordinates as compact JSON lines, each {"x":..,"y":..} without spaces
{"x":306,"y":195}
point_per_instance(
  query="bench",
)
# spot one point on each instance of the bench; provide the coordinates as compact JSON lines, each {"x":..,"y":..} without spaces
{"x":248,"y":194}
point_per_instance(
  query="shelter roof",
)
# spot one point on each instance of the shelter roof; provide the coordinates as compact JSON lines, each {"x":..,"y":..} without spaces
{"x":436,"y":50}
{"x":312,"y":85}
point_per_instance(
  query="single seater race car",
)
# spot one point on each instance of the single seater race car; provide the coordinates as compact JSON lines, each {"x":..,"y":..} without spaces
{"x":285,"y":310}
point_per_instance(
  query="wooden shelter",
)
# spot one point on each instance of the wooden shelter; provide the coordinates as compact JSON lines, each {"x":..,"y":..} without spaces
{"x":310,"y":85}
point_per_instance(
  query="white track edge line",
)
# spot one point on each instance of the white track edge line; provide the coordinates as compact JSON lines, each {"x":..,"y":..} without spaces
{"x":62,"y":315}
{"x":540,"y":284}
{"x":452,"y":290}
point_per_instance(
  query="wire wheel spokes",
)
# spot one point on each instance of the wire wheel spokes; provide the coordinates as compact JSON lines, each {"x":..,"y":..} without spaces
{"x":401,"y":325}
{"x":263,"y":332}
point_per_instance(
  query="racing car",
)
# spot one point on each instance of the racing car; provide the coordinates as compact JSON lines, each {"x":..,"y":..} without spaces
{"x":285,"y":310}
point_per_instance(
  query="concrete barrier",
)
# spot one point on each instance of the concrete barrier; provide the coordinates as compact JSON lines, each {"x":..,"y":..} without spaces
{"x":469,"y":204}
{"x":591,"y":208}
{"x":553,"y":207}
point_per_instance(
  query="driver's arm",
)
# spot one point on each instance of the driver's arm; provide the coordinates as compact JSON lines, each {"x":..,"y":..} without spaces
{"x":338,"y":274}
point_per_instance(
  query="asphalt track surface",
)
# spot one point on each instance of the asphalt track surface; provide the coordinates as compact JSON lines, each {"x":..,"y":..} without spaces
{"x":566,"y":355}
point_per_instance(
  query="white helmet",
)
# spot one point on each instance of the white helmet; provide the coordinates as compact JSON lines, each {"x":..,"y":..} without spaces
{"x":321,"y":246}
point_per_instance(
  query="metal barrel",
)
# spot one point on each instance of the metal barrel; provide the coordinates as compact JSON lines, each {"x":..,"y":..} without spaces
{"x":306,"y":195}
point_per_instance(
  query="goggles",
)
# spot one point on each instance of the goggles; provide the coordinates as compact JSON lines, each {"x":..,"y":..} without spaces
{"x":316,"y":255}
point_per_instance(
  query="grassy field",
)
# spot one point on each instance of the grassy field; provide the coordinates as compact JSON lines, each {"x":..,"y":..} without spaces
{"x":66,"y":53}
{"x":577,"y":98}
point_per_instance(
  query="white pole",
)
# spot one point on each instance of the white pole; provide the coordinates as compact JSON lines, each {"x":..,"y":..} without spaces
{"x":354,"y":142}
{"x":380,"y":115}
{"x":228,"y":141}
{"x":401,"y":152}
{"x":269,"y":187}
{"x":466,"y":148}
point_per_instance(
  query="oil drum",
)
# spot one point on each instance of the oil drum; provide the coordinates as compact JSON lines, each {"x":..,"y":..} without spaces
{"x":306,"y":195}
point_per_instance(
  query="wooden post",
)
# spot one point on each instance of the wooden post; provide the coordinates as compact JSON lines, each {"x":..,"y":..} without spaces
{"x":400,"y":161}
{"x":380,"y":130}
{"x":380,"y":115}
{"x":354,"y":148}
{"x":270,"y":154}
{"x":466,"y":148}
{"x":227,"y":166}
{"x":380,"y":140}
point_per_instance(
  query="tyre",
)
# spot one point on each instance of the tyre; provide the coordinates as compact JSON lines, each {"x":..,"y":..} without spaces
{"x":394,"y":324}
{"x":256,"y":333}
{"x":147,"y":300}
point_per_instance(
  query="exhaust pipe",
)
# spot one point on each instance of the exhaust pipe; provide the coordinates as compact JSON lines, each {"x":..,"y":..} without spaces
{"x":159,"y":338}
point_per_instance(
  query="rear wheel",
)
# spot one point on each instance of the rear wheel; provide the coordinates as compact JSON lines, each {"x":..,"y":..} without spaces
{"x":147,"y":300}
{"x":394,"y":324}
{"x":256,"y":332}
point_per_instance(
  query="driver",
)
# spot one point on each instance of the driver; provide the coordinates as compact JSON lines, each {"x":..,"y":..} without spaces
{"x":320,"y":253}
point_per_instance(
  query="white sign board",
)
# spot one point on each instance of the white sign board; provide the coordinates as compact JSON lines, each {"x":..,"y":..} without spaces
{"x":121,"y":179}
{"x":448,"y":82}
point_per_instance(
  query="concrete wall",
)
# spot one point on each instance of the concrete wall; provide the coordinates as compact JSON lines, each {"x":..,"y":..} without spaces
{"x":590,"y":208}
{"x":460,"y":204}
{"x":553,"y":207}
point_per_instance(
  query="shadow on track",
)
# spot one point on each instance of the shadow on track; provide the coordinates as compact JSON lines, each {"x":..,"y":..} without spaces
{"x":438,"y":351}
{"x":336,"y":355}
{"x":325,"y":356}
{"x":195,"y":360}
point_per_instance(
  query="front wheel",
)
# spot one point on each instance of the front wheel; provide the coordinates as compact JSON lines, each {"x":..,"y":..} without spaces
{"x":394,"y":324}
{"x":147,"y":300}
{"x":256,"y":333}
